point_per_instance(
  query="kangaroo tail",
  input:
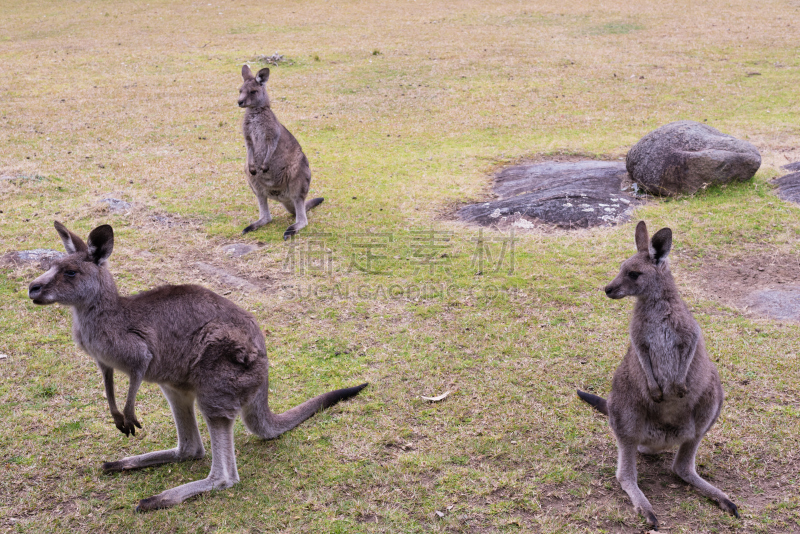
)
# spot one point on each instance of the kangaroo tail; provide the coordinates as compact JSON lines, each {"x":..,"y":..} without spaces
{"x":598,"y":403}
{"x":313,"y":203}
{"x":262,"y":422}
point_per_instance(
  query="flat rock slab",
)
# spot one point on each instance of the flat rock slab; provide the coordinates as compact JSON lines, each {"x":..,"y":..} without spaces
{"x":781,"y":304}
{"x":43,"y":256}
{"x":792,"y":166}
{"x":789,"y":187}
{"x":579,"y":194}
{"x":225,"y":278}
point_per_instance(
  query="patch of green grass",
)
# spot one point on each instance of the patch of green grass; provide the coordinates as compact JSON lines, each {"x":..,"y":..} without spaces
{"x":616,"y":27}
{"x":45,"y":391}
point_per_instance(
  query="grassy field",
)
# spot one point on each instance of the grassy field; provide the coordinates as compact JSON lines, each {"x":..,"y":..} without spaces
{"x":404,"y":109}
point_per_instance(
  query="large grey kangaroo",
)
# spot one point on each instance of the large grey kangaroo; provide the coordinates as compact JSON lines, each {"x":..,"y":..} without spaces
{"x":276,"y":166}
{"x":666,"y":392}
{"x":195,"y":344}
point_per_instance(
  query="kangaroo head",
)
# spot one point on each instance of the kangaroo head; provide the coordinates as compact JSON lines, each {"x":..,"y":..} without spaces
{"x":642,"y":273}
{"x":253,"y":92}
{"x":82,"y":275}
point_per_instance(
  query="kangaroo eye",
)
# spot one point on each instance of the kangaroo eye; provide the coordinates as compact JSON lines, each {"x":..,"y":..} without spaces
{"x":70,"y":273}
{"x":253,"y":92}
{"x":633,"y":275}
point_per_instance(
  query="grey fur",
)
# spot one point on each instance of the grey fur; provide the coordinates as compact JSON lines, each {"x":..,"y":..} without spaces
{"x":666,"y":392}
{"x":196,"y":345}
{"x":276,"y":167}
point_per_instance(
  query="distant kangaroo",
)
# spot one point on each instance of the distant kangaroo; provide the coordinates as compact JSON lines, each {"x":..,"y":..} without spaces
{"x":666,"y":392}
{"x":195,"y":344}
{"x":276,"y":167}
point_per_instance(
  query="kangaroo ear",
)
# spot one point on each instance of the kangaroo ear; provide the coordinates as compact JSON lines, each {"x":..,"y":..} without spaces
{"x":662,"y":243}
{"x":101,"y":243}
{"x":642,"y":241}
{"x":262,"y":76}
{"x":247,"y":74}
{"x":72,"y":243}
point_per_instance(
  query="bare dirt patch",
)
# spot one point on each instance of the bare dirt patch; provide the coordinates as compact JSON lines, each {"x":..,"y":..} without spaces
{"x":760,"y":284}
{"x":368,"y":518}
{"x":678,"y":506}
{"x":225,"y":278}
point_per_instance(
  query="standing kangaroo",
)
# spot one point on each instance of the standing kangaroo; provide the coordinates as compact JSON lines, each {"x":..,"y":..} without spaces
{"x":195,"y":344}
{"x":276,"y":167}
{"x":666,"y":392}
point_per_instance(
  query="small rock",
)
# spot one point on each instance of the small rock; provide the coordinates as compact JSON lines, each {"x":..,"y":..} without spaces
{"x":274,"y":59}
{"x":166,"y":220}
{"x":685,"y":156}
{"x":43,"y":256}
{"x":3,"y":356}
{"x":238,"y":249}
{"x":523,"y":223}
{"x":115,"y":204}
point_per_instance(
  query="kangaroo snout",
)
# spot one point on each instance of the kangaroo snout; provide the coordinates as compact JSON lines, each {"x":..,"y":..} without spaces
{"x":610,"y":290}
{"x":34,"y":290}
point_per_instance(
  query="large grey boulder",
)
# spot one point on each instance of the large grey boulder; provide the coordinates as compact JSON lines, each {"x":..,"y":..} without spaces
{"x":578,"y":194}
{"x":685,"y":156}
